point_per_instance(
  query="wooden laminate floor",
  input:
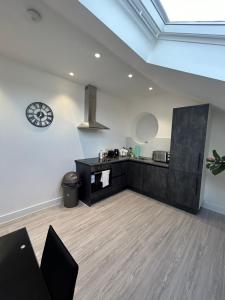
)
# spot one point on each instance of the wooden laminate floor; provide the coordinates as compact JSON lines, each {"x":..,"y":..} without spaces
{"x":132,"y":247}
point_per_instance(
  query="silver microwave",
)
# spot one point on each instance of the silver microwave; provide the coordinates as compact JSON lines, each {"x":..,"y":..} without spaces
{"x":161,"y":156}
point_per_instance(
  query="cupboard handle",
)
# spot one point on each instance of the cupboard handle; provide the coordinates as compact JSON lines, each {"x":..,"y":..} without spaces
{"x":196,"y":186}
{"x":199,"y":159}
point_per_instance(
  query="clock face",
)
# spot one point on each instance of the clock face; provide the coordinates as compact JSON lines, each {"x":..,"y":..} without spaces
{"x":39,"y":114}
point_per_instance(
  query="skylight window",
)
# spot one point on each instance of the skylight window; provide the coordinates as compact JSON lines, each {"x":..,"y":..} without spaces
{"x":209,"y":11}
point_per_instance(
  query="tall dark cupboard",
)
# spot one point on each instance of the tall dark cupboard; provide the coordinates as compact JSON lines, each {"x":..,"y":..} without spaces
{"x":189,"y":132}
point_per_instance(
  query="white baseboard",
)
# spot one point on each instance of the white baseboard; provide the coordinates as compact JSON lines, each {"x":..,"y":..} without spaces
{"x":215,"y":207}
{"x":28,"y":210}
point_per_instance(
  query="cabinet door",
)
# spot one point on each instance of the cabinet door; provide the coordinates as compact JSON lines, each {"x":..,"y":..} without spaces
{"x":118,"y":169}
{"x":155,"y":182}
{"x":134,"y":175}
{"x":188,"y":138}
{"x":118,"y":184}
{"x":184,"y":189}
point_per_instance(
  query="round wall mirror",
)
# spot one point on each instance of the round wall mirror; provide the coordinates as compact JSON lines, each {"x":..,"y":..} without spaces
{"x":145,"y":127}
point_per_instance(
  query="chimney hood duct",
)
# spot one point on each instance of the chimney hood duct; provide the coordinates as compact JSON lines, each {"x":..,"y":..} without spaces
{"x":90,"y":110}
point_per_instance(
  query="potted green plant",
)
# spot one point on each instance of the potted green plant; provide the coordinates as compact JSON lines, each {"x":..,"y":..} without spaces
{"x":216,"y":163}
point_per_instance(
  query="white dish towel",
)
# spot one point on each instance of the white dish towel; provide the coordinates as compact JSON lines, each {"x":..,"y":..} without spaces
{"x":105,"y":178}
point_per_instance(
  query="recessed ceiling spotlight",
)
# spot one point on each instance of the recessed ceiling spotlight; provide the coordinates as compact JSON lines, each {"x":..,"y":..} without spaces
{"x":33,"y":15}
{"x":97,"y":55}
{"x":150,"y":88}
{"x":130,"y":75}
{"x":71,"y":74}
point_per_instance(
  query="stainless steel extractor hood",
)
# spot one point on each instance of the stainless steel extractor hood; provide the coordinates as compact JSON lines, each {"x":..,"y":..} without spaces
{"x":90,"y":110}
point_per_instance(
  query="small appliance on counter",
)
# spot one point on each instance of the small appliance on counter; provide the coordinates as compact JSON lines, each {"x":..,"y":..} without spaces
{"x":110,"y":154}
{"x":161,"y":156}
{"x":130,"y":153}
{"x":123,"y":152}
{"x":116,"y":153}
{"x":102,"y":154}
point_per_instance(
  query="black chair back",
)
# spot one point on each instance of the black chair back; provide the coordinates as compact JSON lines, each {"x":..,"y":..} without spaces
{"x":58,"y":267}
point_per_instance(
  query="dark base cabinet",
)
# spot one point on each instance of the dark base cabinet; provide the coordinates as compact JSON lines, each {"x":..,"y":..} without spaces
{"x":155,"y":180}
{"x":177,"y":188}
{"x":144,"y":178}
{"x":135,"y":176}
{"x":118,"y":181}
{"x":118,"y":184}
{"x":147,"y":179}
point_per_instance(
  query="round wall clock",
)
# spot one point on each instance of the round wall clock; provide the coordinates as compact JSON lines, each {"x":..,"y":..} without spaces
{"x":39,"y":114}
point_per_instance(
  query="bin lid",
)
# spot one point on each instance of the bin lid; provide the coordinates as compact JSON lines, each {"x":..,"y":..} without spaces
{"x":70,"y":178}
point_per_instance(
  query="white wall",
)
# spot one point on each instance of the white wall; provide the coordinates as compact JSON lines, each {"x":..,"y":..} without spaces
{"x":214,"y":195}
{"x":33,"y":160}
{"x":161,"y":106}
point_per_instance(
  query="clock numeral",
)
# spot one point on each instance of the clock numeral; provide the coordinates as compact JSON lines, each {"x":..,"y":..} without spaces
{"x":49,"y":120}
{"x":37,"y":105}
{"x":32,"y":119}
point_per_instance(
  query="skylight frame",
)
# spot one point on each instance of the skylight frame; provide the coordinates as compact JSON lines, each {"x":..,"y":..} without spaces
{"x":160,"y":28}
{"x":162,"y":13}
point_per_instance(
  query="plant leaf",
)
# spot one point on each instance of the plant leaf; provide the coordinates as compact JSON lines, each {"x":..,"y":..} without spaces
{"x":214,"y":166}
{"x":218,"y":170}
{"x":216,"y":155}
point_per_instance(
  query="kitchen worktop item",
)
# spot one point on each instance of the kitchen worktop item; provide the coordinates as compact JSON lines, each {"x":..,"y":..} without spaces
{"x":162,"y":156}
{"x":116,"y":153}
{"x":123,"y":152}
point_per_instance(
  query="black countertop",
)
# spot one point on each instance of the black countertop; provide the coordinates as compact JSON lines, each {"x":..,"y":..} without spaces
{"x":96,"y":161}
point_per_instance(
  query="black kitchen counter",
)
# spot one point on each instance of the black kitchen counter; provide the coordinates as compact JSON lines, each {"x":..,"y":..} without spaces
{"x":96,"y":161}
